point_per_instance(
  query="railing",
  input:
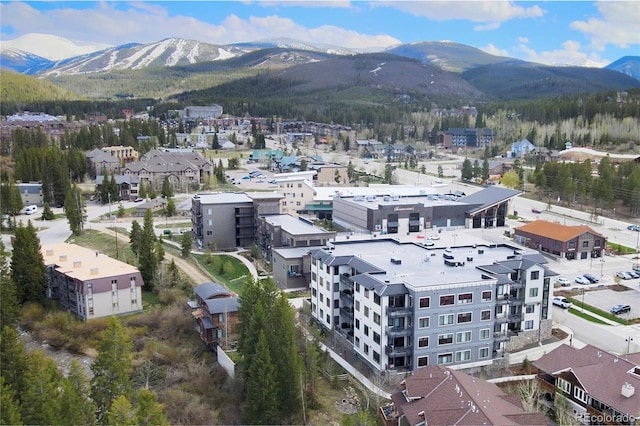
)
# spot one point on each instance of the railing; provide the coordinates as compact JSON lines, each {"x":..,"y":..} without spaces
{"x":346,"y":280}
{"x":398,"y":331}
{"x":398,"y":350}
{"x":398,"y":311}
{"x":509,"y":318}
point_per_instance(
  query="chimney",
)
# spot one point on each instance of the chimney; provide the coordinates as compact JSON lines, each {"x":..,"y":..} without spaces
{"x":627,"y":390}
{"x":77,"y":263}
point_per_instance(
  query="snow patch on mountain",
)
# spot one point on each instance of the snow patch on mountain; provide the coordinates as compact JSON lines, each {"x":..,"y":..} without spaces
{"x":51,"y":47}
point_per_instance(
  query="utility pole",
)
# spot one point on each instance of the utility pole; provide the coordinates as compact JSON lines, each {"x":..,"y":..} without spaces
{"x":115,"y":228}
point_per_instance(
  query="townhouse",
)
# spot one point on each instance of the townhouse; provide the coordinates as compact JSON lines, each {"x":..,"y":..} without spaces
{"x":402,"y":306}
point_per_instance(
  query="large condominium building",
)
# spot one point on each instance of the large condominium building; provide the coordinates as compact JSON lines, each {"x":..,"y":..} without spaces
{"x":403,"y":306}
{"x":91,"y":284}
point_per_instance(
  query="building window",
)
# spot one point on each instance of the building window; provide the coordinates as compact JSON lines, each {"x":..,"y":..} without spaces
{"x":530,"y":309}
{"x":445,"y":358}
{"x":423,"y":342}
{"x":463,"y":336}
{"x":585,"y":244}
{"x":528,"y":325}
{"x":358,"y":305}
{"x":485,"y":334}
{"x":572,"y":245}
{"x":376,"y":298}
{"x":485,"y":315}
{"x":357,"y":324}
{"x":464,"y":298}
{"x":483,"y":353}
{"x":328,"y":302}
{"x":423,"y":322}
{"x":464,"y":317}
{"x":366,"y":349}
{"x":445,"y":339}
{"x":366,"y":330}
{"x":376,"y":318}
{"x":564,"y":385}
{"x":366,"y":311}
{"x":486,"y":296}
{"x":376,"y":357}
{"x":580,"y":394}
{"x":376,"y":337}
{"x":535,"y":275}
{"x":357,"y":341}
{"x":463,"y":355}
{"x":447,"y":300}
{"x":533,"y":292}
{"x":424,"y":302}
{"x":314,"y":292}
{"x":446,"y":319}
{"x":423,"y":361}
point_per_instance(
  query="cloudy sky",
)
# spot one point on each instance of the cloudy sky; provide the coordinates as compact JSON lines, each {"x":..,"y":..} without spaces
{"x":550,"y":32}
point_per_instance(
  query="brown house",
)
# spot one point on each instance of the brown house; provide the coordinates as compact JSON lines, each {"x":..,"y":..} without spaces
{"x":436,"y":395}
{"x":600,"y":387}
{"x":565,"y":242}
{"x":215,"y":311}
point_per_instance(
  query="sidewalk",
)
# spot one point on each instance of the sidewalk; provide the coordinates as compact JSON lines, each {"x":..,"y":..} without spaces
{"x":536,"y":352}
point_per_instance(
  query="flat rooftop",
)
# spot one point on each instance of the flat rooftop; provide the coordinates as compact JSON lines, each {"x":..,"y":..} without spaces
{"x":374,"y":202}
{"x":223,"y":198}
{"x":421,"y":266}
{"x":83,"y":263}
{"x":293,"y":225}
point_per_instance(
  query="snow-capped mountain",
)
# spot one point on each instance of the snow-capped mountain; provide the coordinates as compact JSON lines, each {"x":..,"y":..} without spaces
{"x":290,"y":43}
{"x":22,"y":62}
{"x":50,"y":47}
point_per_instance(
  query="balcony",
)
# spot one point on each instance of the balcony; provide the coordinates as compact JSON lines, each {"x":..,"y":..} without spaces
{"x":346,"y":280}
{"x":398,"y":311}
{"x":509,"y":318}
{"x":398,"y":331}
{"x":346,"y":311}
{"x":503,"y":336}
{"x":391,"y":350}
{"x":507,"y":299}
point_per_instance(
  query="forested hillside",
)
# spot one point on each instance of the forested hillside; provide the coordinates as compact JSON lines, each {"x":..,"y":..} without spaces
{"x":22,"y":88}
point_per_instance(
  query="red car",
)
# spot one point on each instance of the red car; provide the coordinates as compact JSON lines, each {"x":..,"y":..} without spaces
{"x":536,"y":211}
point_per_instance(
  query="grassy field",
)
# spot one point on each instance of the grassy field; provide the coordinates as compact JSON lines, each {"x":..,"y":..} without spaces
{"x":225,"y":269}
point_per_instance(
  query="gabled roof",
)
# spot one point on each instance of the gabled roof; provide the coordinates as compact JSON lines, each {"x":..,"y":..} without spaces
{"x":555,"y":231}
{"x":488,"y":197}
{"x":601,"y":374}
{"x":435,"y":395}
{"x":99,"y":156}
{"x":120,"y":179}
{"x":222,"y":305}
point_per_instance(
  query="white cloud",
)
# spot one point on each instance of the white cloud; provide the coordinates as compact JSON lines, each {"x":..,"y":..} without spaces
{"x":493,"y":12}
{"x":619,"y":24}
{"x":143,"y":23}
{"x":493,"y":50}
{"x":523,"y":40}
{"x":570,"y":54}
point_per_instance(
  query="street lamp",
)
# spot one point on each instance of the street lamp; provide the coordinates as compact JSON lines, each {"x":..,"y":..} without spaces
{"x":601,"y":268}
{"x":454,"y":239}
{"x":628,"y":340}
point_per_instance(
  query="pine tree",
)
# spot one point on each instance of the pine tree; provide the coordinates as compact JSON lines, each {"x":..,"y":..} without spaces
{"x":485,"y":169}
{"x":9,"y":307}
{"x":467,"y":169}
{"x":14,"y":361}
{"x":47,"y":213}
{"x":121,"y":413}
{"x":167,"y":188}
{"x":73,"y":210}
{"x":41,"y":395}
{"x":260,"y":403}
{"x":134,"y":236}
{"x":186,"y":244}
{"x":147,"y":258}
{"x":148,"y":411}
{"x":10,"y":408}
{"x":76,"y":405}
{"x":215,"y":144}
{"x":27,"y":265}
{"x":171,"y":208}
{"x":112,"y":369}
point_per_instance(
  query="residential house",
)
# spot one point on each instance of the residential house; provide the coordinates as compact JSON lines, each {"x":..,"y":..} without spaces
{"x":436,"y":395}
{"x":215,"y":311}
{"x":367,"y":147}
{"x":129,"y":186}
{"x":185,"y":170}
{"x":102,"y":163}
{"x":521,"y":148}
{"x":90,"y":284}
{"x":402,"y":306}
{"x":568,"y":242}
{"x":599,"y":387}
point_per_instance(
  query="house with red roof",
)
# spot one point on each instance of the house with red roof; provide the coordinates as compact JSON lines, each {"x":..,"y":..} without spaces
{"x":600,"y":387}
{"x":436,"y":395}
{"x":562,"y":241}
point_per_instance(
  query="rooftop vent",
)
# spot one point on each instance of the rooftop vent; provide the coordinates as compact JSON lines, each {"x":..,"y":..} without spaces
{"x":77,"y":263}
{"x":396,"y":261}
{"x":480,"y":251}
{"x":62,"y":258}
{"x":94,"y":271}
{"x":49,"y":252}
{"x":627,"y":390}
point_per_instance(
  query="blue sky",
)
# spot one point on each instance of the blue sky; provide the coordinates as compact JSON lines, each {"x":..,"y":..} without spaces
{"x":550,"y":32}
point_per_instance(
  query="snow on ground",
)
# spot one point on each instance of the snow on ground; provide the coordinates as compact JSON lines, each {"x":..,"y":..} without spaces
{"x":593,"y":152}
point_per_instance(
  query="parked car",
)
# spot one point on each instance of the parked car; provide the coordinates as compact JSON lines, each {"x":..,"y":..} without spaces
{"x":536,"y":210}
{"x":620,"y":309}
{"x":623,"y":275}
{"x":246,"y":177}
{"x":272,"y":181}
{"x":428,"y":243}
{"x":434,"y":237}
{"x":633,"y":228}
{"x":563,"y":282}
{"x":138,"y":200}
{"x":582,"y":280}
{"x":562,"y":302}
{"x":30,"y":209}
{"x":633,"y":274}
{"x":592,"y":278}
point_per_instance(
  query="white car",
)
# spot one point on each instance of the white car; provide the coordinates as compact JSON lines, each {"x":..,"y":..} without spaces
{"x":582,"y":280}
{"x":434,"y":237}
{"x":563,"y":282}
{"x":562,"y":302}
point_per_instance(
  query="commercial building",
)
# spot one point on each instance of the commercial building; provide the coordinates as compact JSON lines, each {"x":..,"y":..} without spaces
{"x":31,"y":193}
{"x":394,"y":213}
{"x":404,"y":306}
{"x":91,"y":284}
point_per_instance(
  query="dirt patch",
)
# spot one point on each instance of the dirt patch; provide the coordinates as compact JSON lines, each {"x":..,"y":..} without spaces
{"x":618,"y":287}
{"x":559,"y":334}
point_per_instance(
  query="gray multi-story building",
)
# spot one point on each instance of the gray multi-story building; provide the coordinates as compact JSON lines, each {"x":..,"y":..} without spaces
{"x":226,"y":220}
{"x":403,"y":306}
{"x":283,"y":230}
{"x":398,"y":214}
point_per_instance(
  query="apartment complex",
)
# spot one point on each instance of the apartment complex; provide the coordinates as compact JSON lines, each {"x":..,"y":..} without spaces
{"x":403,"y":306}
{"x":466,"y":138}
{"x":90,"y":284}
